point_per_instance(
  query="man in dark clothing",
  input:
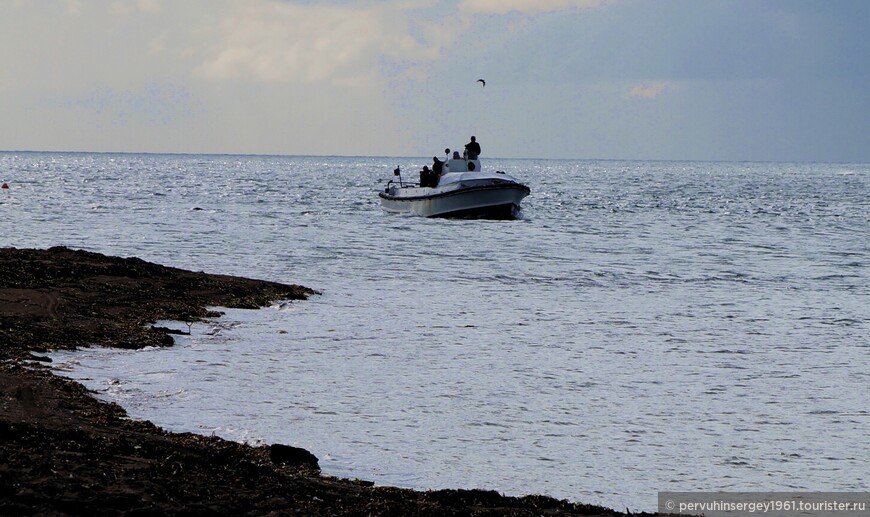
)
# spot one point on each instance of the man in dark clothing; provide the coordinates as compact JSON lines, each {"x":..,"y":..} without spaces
{"x":472,"y":149}
{"x":437,"y":171}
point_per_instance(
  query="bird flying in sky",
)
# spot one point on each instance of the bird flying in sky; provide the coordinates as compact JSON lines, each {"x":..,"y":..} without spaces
{"x":482,"y":81}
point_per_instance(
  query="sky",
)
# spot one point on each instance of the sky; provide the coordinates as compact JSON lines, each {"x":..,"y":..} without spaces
{"x":736,"y":80}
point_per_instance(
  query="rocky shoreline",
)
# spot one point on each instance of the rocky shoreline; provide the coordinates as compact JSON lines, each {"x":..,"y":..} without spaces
{"x":63,"y":452}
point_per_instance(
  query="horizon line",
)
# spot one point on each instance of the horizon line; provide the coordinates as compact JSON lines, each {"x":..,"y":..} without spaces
{"x":185,"y":153}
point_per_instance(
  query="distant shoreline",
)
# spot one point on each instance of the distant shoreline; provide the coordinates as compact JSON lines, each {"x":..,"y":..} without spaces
{"x":65,"y":452}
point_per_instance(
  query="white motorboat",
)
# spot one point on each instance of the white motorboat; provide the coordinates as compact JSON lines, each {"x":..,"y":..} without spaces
{"x":459,"y":192}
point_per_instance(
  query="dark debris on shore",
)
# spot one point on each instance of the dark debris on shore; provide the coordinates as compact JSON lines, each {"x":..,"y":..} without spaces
{"x":63,"y":452}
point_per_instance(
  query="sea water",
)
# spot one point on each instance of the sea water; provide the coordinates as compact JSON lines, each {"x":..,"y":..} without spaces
{"x":644,"y":326}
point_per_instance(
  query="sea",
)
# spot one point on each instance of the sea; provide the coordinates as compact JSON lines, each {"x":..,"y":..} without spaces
{"x":644,"y":326}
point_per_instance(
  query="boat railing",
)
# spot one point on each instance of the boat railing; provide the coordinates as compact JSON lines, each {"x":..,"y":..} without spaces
{"x":398,"y":173}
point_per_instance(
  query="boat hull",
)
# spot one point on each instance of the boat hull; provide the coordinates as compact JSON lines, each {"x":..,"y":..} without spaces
{"x":489,"y":201}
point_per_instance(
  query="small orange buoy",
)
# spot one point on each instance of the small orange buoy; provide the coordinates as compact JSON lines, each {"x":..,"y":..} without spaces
{"x":5,"y":185}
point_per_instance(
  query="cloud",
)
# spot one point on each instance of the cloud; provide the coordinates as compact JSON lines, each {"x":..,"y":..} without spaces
{"x":144,"y":6}
{"x":278,"y":42}
{"x":649,"y":90}
{"x":352,"y":44}
{"x":526,"y":6}
{"x":150,"y":6}
{"x":73,"y":7}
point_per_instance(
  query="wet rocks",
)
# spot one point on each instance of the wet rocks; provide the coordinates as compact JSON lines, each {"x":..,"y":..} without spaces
{"x":288,"y":455}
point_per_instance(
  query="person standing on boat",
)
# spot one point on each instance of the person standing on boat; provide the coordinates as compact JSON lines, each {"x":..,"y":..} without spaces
{"x":472,"y":149}
{"x":437,"y":170}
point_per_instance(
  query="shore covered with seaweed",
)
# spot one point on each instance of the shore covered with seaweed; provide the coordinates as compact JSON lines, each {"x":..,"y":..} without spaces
{"x":63,"y":452}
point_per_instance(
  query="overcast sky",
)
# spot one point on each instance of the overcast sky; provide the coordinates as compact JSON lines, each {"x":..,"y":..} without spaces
{"x":781,"y":80}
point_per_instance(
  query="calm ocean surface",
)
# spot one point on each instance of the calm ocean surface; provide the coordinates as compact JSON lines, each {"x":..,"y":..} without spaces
{"x":646,"y":326}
